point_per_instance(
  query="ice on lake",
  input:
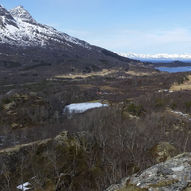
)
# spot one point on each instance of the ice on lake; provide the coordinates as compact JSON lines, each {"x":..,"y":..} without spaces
{"x":82,"y":107}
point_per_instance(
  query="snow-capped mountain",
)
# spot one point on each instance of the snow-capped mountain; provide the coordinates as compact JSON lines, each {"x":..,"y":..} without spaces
{"x":17,"y":27}
{"x":158,"y":57}
{"x":28,"y":45}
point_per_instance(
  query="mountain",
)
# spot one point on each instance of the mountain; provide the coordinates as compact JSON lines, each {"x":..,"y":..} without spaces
{"x":20,"y":29}
{"x":27,"y":44}
{"x":158,"y":57}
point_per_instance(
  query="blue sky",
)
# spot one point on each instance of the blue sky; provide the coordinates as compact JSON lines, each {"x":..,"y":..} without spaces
{"x":139,"y":26}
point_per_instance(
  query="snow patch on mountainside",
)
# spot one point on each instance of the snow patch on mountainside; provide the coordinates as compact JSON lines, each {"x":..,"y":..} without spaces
{"x":17,"y":27}
{"x":20,"y":12}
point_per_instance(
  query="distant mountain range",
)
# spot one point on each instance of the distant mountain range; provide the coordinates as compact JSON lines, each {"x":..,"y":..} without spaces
{"x":159,"y":57}
{"x":26,"y":44}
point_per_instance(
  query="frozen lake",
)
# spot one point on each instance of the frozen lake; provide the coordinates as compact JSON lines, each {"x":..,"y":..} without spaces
{"x":82,"y":107}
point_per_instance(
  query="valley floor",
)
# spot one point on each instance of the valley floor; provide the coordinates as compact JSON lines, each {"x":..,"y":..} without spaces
{"x":146,"y":121}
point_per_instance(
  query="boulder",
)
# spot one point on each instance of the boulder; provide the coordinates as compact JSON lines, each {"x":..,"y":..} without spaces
{"x":163,"y":151}
{"x":172,"y":175}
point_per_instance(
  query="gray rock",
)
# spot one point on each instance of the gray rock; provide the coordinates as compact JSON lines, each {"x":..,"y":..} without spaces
{"x":172,"y":175}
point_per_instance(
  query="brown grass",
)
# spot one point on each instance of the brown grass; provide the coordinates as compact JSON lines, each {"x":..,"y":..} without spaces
{"x":135,"y":73}
{"x":104,"y":72}
{"x":18,"y":147}
{"x":185,"y":86}
{"x":102,"y":88}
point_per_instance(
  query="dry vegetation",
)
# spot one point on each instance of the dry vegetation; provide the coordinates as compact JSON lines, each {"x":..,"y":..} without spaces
{"x":97,"y":148}
{"x":137,"y":73}
{"x":104,"y":72}
{"x":185,"y":85}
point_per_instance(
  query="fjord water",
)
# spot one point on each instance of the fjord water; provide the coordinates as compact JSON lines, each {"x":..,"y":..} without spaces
{"x":174,"y":69}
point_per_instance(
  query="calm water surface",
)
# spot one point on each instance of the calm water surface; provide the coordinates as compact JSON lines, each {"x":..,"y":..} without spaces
{"x":174,"y":69}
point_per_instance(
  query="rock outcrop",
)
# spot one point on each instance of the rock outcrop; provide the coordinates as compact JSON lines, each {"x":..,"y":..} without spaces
{"x":172,"y":175}
{"x":163,"y":151}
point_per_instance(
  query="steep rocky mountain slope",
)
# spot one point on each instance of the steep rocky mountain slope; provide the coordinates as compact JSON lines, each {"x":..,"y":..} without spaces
{"x":27,"y":45}
{"x":20,"y":29}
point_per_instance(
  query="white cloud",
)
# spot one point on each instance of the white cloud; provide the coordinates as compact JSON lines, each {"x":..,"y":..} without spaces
{"x":170,"y":41}
{"x":177,"y":40}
